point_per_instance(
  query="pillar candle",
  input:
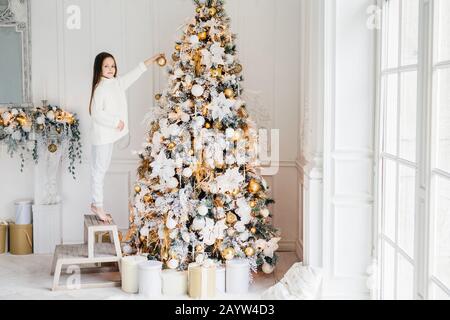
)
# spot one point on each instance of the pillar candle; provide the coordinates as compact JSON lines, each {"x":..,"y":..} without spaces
{"x":150,"y":279}
{"x":129,"y":266}
{"x":237,"y":276}
{"x":220,"y":279}
{"x":202,"y":281}
{"x":174,"y":283}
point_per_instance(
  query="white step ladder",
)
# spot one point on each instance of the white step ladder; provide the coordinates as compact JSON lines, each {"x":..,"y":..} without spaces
{"x":89,"y":253}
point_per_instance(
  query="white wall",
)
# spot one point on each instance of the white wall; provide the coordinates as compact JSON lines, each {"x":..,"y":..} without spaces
{"x":268,"y":42}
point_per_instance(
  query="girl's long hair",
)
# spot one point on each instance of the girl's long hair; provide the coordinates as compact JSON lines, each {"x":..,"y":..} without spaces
{"x":98,"y":63}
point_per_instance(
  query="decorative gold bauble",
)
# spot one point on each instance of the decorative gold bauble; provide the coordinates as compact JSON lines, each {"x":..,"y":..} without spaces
{"x":178,"y":47}
{"x":202,"y":36}
{"x":228,"y":253}
{"x":70,"y":119}
{"x":254,"y":186}
{"x":58,"y":129}
{"x":249,"y":251}
{"x":216,"y":72}
{"x":137,"y":189}
{"x":208,"y":125}
{"x":229,"y":93}
{"x":253,"y":230}
{"x":158,"y":96}
{"x":59,"y":116}
{"x":218,"y":202}
{"x":218,"y":125}
{"x":198,"y":10}
{"x":41,"y":127}
{"x":147,"y":198}
{"x":191,"y":152}
{"x":161,"y":61}
{"x":52,"y":148}
{"x":212,"y":11}
{"x":175,"y":57}
{"x":231,"y":218}
{"x":171,"y":146}
{"x":237,"y":69}
{"x":199,"y":248}
{"x":253,"y":203}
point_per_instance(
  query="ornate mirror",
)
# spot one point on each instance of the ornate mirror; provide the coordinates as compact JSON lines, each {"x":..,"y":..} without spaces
{"x":15,"y":58}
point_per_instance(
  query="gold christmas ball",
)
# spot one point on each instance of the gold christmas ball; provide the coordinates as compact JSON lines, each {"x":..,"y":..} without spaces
{"x":208,"y":125}
{"x":212,"y":11}
{"x":231,"y":218}
{"x":253,"y":230}
{"x":41,"y":127}
{"x":229,"y":93}
{"x":191,"y":152}
{"x":147,"y":198}
{"x":178,"y":47}
{"x":199,"y":248}
{"x":228,"y":253}
{"x":58,"y":129}
{"x":237,"y":69}
{"x":202,"y":35}
{"x":175,"y":57}
{"x":158,"y":96}
{"x":137,"y":189}
{"x":161,"y":61}
{"x":254,"y":186}
{"x":52,"y":148}
{"x":253,"y":203}
{"x":216,"y":72}
{"x":198,"y":10}
{"x":249,"y":251}
{"x":171,"y":146}
{"x":218,"y":125}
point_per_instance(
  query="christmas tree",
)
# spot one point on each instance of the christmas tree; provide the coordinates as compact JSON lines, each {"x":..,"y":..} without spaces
{"x":198,"y":195}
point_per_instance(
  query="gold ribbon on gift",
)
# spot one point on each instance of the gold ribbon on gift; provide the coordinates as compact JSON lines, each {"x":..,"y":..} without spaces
{"x":202,"y":280}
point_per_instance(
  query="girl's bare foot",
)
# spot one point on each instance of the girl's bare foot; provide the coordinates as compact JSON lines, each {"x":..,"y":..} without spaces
{"x":101,"y":214}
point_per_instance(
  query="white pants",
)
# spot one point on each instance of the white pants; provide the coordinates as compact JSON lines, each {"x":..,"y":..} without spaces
{"x":101,"y":159}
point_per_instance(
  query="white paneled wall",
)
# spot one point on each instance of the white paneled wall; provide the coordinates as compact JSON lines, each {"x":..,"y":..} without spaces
{"x":269,"y":47}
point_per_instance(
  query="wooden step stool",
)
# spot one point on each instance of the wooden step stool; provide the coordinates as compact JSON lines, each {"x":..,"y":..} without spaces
{"x":88,"y":253}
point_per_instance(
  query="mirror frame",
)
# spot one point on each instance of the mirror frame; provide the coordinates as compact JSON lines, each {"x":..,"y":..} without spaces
{"x":17,"y":15}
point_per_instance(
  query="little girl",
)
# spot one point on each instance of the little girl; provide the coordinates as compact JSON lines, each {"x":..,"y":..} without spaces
{"x":109,"y":113}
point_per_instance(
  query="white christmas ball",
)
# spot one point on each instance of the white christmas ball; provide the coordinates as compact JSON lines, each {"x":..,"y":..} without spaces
{"x":198,"y":223}
{"x":51,"y":115}
{"x":40,"y":120}
{"x":200,"y":121}
{"x":193,"y":39}
{"x":239,"y":226}
{"x":126,"y":249}
{"x":173,"y":263}
{"x":267,"y":268}
{"x":174,"y":129}
{"x":186,"y":237}
{"x":200,"y":258}
{"x":159,"y":201}
{"x":244,"y":236}
{"x":229,"y":133}
{"x":202,"y":210}
{"x":185,"y":117}
{"x":197,"y":90}
{"x":171,"y":223}
{"x":265,"y":212}
{"x":172,"y":183}
{"x":187,"y":172}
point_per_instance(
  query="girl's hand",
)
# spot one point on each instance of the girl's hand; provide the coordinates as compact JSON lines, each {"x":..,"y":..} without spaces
{"x":121,"y":125}
{"x":153,"y":59}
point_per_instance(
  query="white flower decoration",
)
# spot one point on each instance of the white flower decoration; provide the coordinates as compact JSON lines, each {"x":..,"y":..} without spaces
{"x":229,"y":181}
{"x":163,"y":167}
{"x":220,"y":107}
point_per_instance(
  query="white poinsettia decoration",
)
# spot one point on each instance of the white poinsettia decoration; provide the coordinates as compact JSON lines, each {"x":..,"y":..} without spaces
{"x":271,"y":247}
{"x":213,"y":231}
{"x":163,"y":167}
{"x":244,"y":210}
{"x":217,"y":52}
{"x":220,"y":107}
{"x":229,"y":181}
{"x":206,"y":58}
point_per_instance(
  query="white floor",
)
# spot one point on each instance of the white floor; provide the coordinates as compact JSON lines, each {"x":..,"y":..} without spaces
{"x":28,"y":277}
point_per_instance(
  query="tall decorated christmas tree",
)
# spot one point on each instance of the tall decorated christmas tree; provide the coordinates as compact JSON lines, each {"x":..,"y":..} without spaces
{"x":198,"y":195}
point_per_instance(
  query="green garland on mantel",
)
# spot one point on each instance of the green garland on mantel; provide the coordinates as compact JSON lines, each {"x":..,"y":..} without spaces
{"x":25,"y":130}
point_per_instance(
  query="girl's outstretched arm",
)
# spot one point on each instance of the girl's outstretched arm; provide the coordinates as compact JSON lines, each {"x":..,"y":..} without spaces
{"x":128,"y":79}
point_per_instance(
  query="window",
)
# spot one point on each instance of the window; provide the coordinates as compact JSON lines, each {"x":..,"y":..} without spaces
{"x":414,"y":150}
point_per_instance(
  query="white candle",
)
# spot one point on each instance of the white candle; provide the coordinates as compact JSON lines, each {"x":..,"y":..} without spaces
{"x":150,"y":279}
{"x":129,"y":266}
{"x":174,"y":283}
{"x":237,"y":276}
{"x":220,"y":279}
